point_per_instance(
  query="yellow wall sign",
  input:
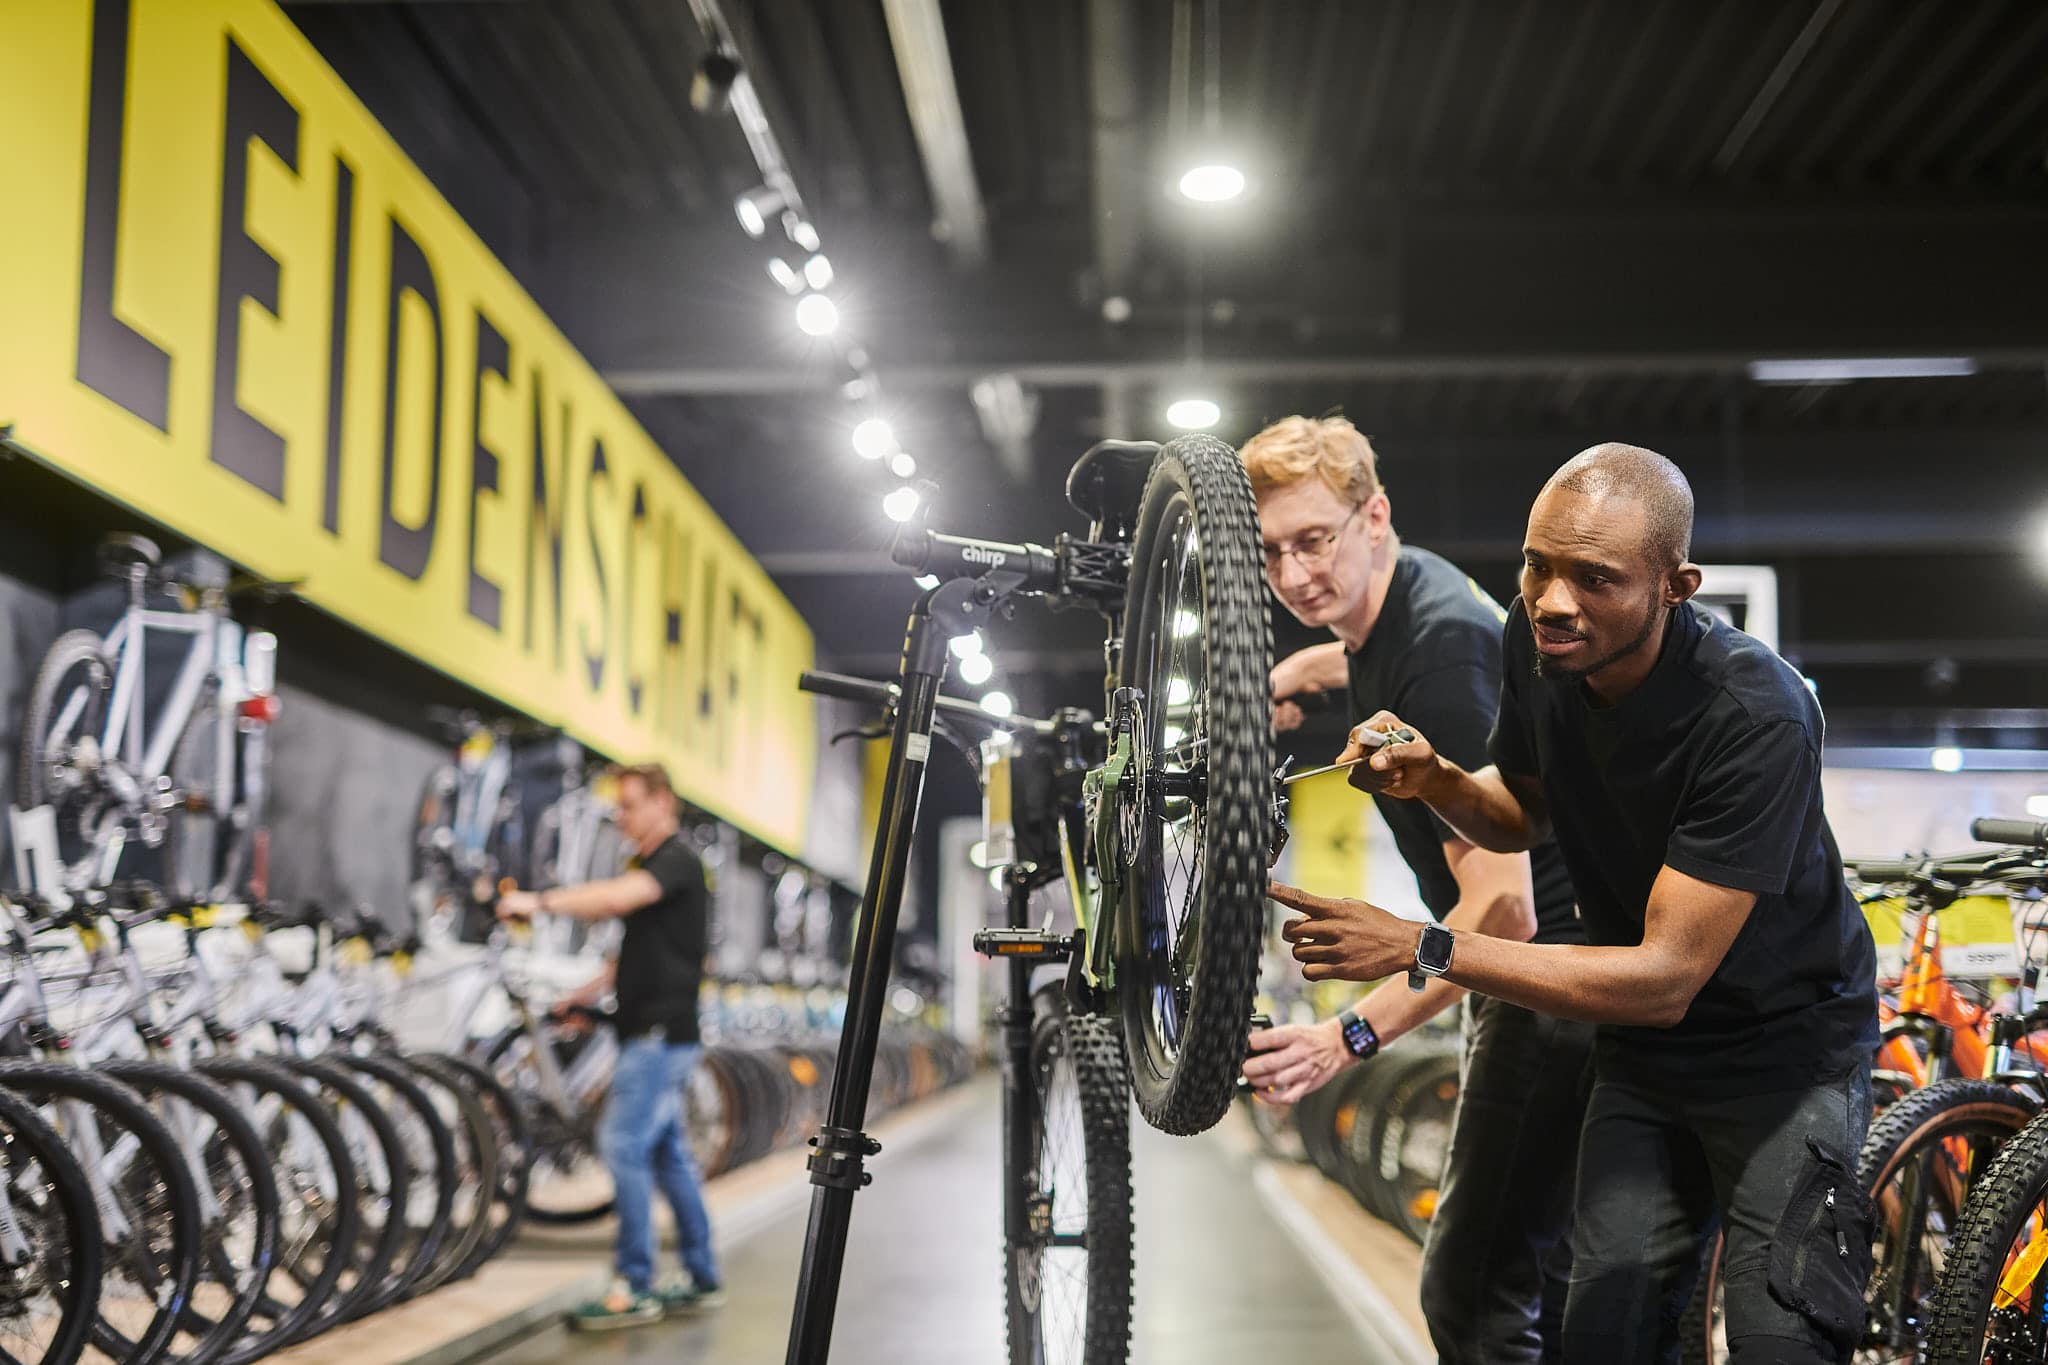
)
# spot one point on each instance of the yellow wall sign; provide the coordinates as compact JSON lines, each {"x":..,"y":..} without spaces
{"x":233,"y":304}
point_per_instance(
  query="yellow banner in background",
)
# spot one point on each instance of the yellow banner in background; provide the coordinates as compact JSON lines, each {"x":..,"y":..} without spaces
{"x":234,"y":305}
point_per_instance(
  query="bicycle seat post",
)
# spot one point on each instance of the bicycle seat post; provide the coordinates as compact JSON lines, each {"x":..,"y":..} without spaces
{"x":953,"y":608}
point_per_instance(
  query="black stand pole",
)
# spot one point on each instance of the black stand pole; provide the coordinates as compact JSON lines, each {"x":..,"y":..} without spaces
{"x":838,"y":1165}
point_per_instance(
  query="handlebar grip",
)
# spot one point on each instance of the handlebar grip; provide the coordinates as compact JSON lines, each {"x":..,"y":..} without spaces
{"x":1881,"y":869}
{"x":949,"y":557}
{"x":851,"y":689}
{"x":1994,"y":830}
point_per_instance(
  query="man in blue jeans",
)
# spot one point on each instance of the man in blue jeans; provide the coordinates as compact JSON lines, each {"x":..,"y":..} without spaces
{"x":655,"y":977}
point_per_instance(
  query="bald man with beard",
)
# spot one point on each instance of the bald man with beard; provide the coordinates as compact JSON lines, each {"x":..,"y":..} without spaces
{"x":1732,"y":978}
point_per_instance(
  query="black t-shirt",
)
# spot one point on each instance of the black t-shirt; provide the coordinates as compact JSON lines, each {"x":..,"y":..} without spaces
{"x":1712,"y":768}
{"x":1433,"y":659}
{"x":661,"y":953}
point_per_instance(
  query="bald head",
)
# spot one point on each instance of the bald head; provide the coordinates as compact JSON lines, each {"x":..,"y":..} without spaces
{"x":1614,"y":470}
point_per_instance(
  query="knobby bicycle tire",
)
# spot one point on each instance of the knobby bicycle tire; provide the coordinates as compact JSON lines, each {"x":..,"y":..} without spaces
{"x":318,"y":1210}
{"x":52,"y":1208}
{"x":232,"y":1275}
{"x":161,"y":1263}
{"x":1080,"y":1090}
{"x":1922,"y":1125}
{"x":1185,"y":981}
{"x":32,"y":772}
{"x":2001,"y":1205}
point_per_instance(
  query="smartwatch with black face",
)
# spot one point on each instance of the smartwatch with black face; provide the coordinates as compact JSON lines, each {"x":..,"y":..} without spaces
{"x":1432,"y":955}
{"x":1358,"y":1035}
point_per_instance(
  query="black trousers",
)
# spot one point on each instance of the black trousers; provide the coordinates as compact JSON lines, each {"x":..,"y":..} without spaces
{"x":1660,"y":1169}
{"x":1496,"y":1266}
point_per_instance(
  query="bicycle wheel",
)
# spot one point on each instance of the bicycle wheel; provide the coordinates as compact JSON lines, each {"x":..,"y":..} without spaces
{"x":1400,"y":1142}
{"x":475,"y":1169}
{"x":238,"y":1203}
{"x":61,"y":763}
{"x":1919,"y":1163}
{"x":1067,"y":1281}
{"x":425,"y":1205}
{"x":1989,"y":1304}
{"x":514,"y":1165}
{"x":1195,"y":809}
{"x":149,"y":1206}
{"x":318,"y":1219}
{"x":569,"y":1182}
{"x":50,"y":1245}
{"x":382,"y":1172}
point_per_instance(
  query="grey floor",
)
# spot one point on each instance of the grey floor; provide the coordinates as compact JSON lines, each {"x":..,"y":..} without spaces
{"x":1217,"y":1279}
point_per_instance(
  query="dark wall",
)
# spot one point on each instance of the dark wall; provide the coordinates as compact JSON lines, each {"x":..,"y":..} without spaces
{"x":28,"y":623}
{"x":345,"y":790}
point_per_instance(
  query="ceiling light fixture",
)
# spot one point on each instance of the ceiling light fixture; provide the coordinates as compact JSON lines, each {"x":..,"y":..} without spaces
{"x":817,"y":315}
{"x":784,"y":274}
{"x":965,"y":646}
{"x":1193,"y":414}
{"x":998,"y":704}
{"x":1212,"y":184}
{"x":818,"y":271}
{"x":976,"y":669}
{"x":1844,"y":370}
{"x":873,"y":438}
{"x":900,"y":503}
{"x":756,"y":207}
{"x":711,"y":87}
{"x":1946,"y":760}
{"x":901,"y":465}
{"x":800,"y":231}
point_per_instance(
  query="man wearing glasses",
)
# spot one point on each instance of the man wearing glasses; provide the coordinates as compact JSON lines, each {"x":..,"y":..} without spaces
{"x":1417,"y":637}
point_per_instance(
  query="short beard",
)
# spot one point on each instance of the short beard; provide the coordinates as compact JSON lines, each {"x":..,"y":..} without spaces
{"x":1551,"y":671}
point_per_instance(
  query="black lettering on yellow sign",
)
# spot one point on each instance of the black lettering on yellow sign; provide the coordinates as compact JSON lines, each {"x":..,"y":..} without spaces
{"x":222,"y":375}
{"x":636,"y":685}
{"x":337,"y":340}
{"x":546,"y":508}
{"x":257,"y":112}
{"x":407,"y":548}
{"x":113,"y":358}
{"x":596,"y":484}
{"x":493,"y":359}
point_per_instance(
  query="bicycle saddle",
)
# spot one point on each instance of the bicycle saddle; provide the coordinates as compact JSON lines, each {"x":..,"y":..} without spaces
{"x":1105,"y":484}
{"x":120,"y":554}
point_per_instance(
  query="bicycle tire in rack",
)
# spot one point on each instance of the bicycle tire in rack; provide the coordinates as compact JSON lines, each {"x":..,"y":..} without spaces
{"x":159,"y":1260}
{"x":55,"y":1217}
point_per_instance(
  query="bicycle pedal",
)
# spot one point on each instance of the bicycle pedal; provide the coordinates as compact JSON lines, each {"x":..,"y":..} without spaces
{"x":1025,"y":943}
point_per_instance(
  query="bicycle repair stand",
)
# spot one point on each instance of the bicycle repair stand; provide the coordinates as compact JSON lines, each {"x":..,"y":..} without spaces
{"x":838,"y":1167}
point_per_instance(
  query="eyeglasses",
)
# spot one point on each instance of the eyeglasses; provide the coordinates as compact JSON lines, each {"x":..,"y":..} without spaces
{"x":1313,"y":548}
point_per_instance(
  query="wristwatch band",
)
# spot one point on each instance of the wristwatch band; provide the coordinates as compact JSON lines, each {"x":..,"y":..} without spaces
{"x":1359,"y":1038}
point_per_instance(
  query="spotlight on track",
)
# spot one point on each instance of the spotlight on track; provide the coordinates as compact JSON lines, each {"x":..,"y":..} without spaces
{"x":756,"y":207}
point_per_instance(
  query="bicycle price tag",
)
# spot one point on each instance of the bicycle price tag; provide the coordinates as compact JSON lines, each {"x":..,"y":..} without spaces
{"x":36,"y":862}
{"x":1977,"y":938}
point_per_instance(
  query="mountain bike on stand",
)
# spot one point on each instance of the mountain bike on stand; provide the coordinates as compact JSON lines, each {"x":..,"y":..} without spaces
{"x":1162,"y":820}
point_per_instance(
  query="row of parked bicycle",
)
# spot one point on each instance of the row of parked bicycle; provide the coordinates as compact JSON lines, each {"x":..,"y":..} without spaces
{"x":216,"y":1145}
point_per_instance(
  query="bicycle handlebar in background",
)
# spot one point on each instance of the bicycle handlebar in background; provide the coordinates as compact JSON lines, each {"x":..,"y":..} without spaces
{"x":1882,"y":869}
{"x":884,"y":694}
{"x":1993,"y":830}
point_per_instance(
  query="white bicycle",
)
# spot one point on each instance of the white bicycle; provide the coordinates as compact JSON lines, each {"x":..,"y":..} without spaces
{"x":119,"y":760}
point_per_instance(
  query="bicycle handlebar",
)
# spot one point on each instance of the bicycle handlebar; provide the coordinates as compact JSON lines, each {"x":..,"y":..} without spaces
{"x":1882,"y":869}
{"x":884,"y":695}
{"x":1993,"y":830}
{"x":947,"y":557}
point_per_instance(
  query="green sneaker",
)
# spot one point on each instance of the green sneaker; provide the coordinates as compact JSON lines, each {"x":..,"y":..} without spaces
{"x":619,"y":1307}
{"x":679,"y":1297}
